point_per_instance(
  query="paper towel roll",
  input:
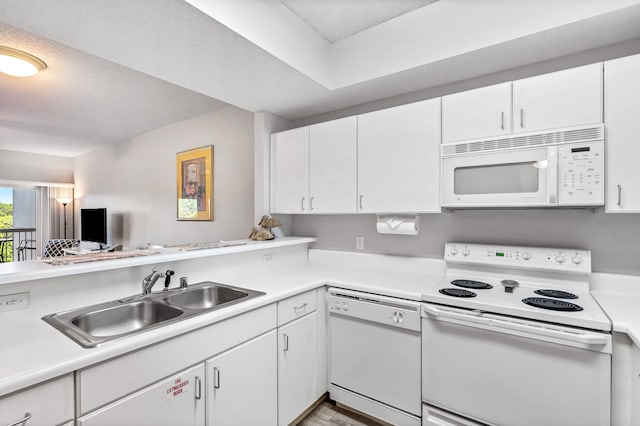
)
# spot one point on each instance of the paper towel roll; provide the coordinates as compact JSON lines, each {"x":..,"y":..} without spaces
{"x":398,"y":224}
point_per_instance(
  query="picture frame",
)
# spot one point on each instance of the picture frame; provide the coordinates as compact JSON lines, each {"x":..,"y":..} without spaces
{"x":194,"y":184}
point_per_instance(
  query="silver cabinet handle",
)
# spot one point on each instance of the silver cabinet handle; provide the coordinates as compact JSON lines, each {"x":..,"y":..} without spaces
{"x":23,"y":420}
{"x":302,"y":203}
{"x":311,"y":203}
{"x":361,"y":201}
{"x":619,"y":194}
{"x":502,"y":120}
{"x":286,"y":342}
{"x":198,"y":388}
{"x":522,"y":117}
{"x":216,"y":378}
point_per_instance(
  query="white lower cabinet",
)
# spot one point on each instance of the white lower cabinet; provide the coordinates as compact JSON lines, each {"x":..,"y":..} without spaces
{"x":177,"y":400}
{"x":242,"y":383}
{"x":297,"y":367}
{"x":45,"y":404}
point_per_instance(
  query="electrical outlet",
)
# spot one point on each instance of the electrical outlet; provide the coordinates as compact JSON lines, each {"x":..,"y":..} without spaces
{"x":267,"y":258}
{"x":359,"y":243}
{"x":11,"y":302}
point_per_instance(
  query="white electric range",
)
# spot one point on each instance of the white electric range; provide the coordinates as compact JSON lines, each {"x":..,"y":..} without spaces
{"x":512,"y":335}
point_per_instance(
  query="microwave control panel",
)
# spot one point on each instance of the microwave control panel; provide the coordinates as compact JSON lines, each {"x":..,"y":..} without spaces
{"x":581,"y":174}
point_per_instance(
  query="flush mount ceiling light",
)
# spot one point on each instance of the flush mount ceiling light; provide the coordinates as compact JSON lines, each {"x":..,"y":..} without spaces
{"x":18,"y":63}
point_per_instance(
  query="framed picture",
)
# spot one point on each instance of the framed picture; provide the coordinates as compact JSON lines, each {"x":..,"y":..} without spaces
{"x":194,"y":173}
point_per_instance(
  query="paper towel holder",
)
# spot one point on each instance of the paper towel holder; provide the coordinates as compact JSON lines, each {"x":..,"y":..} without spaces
{"x":398,"y":224}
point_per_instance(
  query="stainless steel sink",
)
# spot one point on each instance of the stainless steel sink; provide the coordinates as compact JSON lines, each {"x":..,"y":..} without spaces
{"x":124,"y":318}
{"x":205,"y":297}
{"x":94,"y":325}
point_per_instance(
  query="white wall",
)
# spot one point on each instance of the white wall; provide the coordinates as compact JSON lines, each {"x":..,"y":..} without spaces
{"x":136,"y":181}
{"x":23,"y":166}
{"x":266,"y":123}
{"x":612,"y":238}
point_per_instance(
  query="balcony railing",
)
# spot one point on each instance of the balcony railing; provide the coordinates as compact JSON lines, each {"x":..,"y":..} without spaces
{"x":17,"y":244}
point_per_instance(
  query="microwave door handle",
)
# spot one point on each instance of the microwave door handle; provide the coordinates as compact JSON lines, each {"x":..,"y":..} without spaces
{"x":552,"y":173}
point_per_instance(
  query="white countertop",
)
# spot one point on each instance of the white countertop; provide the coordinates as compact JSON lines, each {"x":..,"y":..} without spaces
{"x":33,"y":351}
{"x":14,"y":272}
{"x":619,"y":296}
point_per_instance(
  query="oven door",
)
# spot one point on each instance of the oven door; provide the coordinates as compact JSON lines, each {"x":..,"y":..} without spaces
{"x":506,"y":371}
{"x":514,"y":178}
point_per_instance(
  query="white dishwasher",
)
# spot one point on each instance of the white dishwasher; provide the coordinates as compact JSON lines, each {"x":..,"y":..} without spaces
{"x":374,"y":357}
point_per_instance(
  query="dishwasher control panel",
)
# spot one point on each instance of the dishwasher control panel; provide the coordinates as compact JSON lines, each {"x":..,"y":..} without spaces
{"x":372,"y":307}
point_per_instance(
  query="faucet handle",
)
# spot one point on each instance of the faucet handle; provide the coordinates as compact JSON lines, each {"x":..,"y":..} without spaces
{"x":167,"y":279}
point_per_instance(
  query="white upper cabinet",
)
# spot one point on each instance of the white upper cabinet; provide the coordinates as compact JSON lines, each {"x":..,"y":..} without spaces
{"x":622,"y":121}
{"x":313,"y":169}
{"x":290,"y":171}
{"x":477,"y":113}
{"x":561,"y":99}
{"x":332,"y":166}
{"x":399,"y":159}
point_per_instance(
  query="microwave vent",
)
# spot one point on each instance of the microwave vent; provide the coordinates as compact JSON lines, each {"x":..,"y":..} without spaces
{"x":580,"y":134}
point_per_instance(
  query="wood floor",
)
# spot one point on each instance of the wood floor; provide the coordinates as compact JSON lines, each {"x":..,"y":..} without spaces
{"x":327,"y":413}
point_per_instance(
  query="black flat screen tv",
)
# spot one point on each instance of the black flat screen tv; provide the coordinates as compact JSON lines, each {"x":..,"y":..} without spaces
{"x":93,"y":225}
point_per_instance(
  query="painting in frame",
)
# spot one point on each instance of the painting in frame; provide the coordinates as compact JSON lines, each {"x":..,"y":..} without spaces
{"x":194,"y":173}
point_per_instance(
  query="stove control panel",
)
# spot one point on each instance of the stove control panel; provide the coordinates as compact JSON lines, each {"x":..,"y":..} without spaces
{"x":539,"y":258}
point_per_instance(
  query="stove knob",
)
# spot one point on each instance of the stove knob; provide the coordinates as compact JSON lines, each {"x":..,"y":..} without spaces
{"x":337,"y":305}
{"x":453,"y":251}
{"x":526,"y":255}
{"x":345,"y":306}
{"x":577,"y":259}
{"x":465,"y":252}
{"x":560,"y":258}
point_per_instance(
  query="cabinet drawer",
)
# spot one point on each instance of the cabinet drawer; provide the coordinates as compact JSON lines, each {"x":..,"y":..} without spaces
{"x":297,"y":306}
{"x":111,"y":380}
{"x":48,"y":403}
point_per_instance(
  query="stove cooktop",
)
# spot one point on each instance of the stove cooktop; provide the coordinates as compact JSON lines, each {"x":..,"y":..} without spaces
{"x":529,"y":283}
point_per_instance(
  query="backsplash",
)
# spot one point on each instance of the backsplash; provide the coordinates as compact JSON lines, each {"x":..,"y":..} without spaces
{"x":614,"y":239}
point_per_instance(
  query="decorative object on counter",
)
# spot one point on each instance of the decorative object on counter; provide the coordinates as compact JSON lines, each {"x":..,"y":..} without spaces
{"x":94,"y":257}
{"x":397,"y":224}
{"x":54,"y":248}
{"x":194,"y":178}
{"x":264,"y":232}
{"x":204,"y":246}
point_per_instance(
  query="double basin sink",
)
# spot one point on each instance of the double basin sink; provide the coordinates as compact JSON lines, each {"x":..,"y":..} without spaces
{"x":93,"y":325}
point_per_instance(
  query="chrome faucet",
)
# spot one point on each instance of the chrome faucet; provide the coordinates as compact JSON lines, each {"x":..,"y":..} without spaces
{"x":150,"y":280}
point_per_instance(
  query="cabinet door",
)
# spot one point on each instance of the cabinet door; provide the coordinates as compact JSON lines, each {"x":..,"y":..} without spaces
{"x":399,"y":159}
{"x":44,"y":404}
{"x":290,"y":171}
{"x":561,"y":99}
{"x":242,"y":384}
{"x":178,"y":400}
{"x":477,"y":113}
{"x":622,"y":119}
{"x":332,"y":166}
{"x":297,"y":367}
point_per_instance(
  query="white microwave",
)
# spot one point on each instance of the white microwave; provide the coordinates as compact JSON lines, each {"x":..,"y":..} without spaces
{"x":559,"y":168}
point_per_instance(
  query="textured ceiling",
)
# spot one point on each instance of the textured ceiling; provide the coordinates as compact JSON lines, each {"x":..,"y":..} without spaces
{"x":81,"y":102}
{"x":338,"y":19}
{"x":264,"y":61}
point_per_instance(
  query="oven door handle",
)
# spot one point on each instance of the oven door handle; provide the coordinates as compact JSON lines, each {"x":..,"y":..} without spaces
{"x":474,"y":317}
{"x":586,"y":338}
